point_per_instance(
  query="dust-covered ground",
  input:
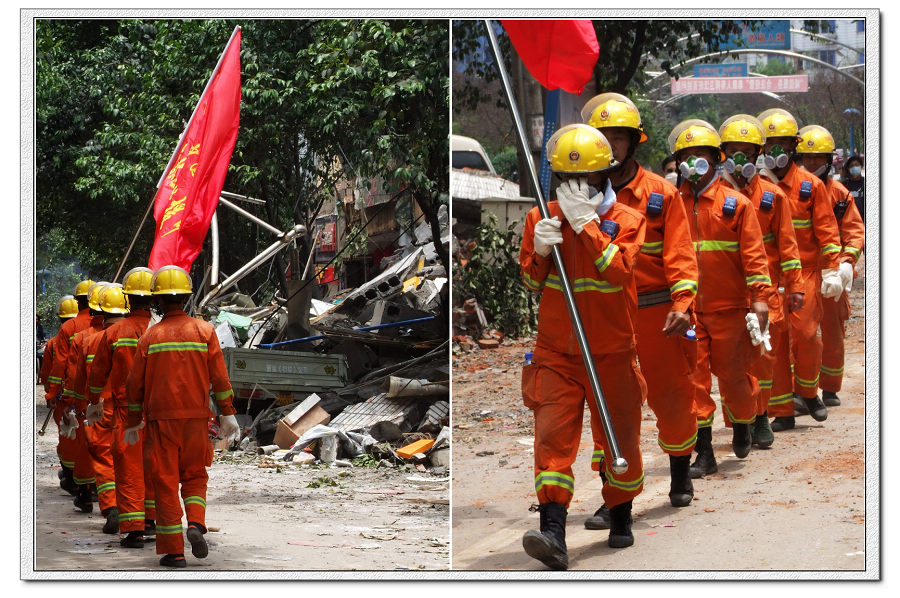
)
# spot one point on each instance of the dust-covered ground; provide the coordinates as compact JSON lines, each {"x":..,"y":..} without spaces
{"x":798,"y":507}
{"x":279,"y":517}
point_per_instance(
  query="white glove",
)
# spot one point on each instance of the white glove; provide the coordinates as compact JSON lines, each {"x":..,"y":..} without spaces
{"x":94,"y":413}
{"x":759,"y":338}
{"x":131,"y":434}
{"x":229,"y":428}
{"x":846,"y":272}
{"x":832,"y":284}
{"x":547,"y":233}
{"x":72,"y":425}
{"x":577,"y":204}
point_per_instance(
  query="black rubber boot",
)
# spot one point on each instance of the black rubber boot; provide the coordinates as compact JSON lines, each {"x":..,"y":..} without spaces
{"x":740,"y":439}
{"x":549,"y":545}
{"x":705,"y":463}
{"x":93,"y":492}
{"x":67,"y":482}
{"x":173,"y":560}
{"x":681,"y":491}
{"x":149,"y":527}
{"x":620,"y":521}
{"x":762,"y":431}
{"x":112,"y":521}
{"x":83,"y":500}
{"x":599,"y":520}
{"x":816,"y":408}
{"x":198,"y":543}
{"x":780,"y":424}
{"x":133,"y":540}
{"x":830,"y":398}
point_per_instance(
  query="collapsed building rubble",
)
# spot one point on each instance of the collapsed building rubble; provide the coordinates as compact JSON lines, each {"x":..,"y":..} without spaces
{"x":367,"y":374}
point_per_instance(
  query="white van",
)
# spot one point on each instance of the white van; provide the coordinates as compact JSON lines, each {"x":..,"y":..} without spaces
{"x":468,"y":153}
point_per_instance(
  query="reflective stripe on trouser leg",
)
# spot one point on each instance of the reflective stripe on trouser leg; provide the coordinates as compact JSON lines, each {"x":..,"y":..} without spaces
{"x":100,"y":451}
{"x":806,"y":346}
{"x":624,"y":390}
{"x":729,"y":360}
{"x":83,"y":470}
{"x":834,"y":317}
{"x":129,"y":470}
{"x":781,"y":396}
{"x":701,"y":378}
{"x":180,"y":449}
{"x":666,"y":365}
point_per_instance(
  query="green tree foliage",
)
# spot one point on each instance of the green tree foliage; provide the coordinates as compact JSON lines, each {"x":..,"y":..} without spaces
{"x":320,"y":100}
{"x":490,"y":273}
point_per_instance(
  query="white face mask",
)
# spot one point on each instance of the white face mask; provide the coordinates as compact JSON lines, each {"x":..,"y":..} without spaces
{"x":855,"y":171}
{"x":818,"y":171}
{"x":694,"y":168}
{"x":672,"y":177}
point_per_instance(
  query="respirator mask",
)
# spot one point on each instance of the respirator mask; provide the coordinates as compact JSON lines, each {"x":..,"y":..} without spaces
{"x":740,"y":164}
{"x":694,"y":168}
{"x":776,"y":158}
{"x":672,"y":177}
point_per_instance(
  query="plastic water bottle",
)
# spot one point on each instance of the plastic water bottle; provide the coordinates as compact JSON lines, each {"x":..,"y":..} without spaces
{"x":690,"y":334}
{"x":528,"y":357}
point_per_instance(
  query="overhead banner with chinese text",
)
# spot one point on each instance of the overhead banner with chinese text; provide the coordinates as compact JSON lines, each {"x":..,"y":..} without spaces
{"x":785,"y":84}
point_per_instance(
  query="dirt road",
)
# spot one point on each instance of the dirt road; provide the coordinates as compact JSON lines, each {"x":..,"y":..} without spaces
{"x":263,"y":519}
{"x":797,"y":509}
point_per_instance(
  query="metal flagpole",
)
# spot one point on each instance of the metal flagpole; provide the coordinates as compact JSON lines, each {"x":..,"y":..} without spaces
{"x":194,"y":113}
{"x":618,"y":464}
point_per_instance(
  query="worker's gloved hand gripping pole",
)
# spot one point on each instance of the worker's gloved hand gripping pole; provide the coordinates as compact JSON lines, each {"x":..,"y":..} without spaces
{"x":617,"y":463}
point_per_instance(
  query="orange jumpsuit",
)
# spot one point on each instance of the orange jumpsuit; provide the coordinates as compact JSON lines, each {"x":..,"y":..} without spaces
{"x":112,"y":362}
{"x":94,"y":459}
{"x":666,"y":277}
{"x":818,"y":240}
{"x":730,"y":259}
{"x":836,"y":313}
{"x":784,"y":269}
{"x":46,"y":363}
{"x":555,"y":386}
{"x":66,"y":448}
{"x":168,"y":386}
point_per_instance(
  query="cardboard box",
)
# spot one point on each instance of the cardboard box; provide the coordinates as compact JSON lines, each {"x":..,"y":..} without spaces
{"x":303,"y":417}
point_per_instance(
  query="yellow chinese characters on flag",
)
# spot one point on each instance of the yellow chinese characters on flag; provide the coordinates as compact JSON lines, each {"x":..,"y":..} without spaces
{"x":187,"y":198}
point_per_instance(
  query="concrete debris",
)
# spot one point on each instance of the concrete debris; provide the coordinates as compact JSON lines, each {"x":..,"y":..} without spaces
{"x":330,"y":375}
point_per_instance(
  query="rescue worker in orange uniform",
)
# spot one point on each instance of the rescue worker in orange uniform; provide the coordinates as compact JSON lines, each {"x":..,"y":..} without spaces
{"x":742,"y":139}
{"x":66,"y":447}
{"x":666,"y":277}
{"x":112,"y":362}
{"x":818,"y":240}
{"x":599,"y":240}
{"x":816,"y":152}
{"x":168,"y":387}
{"x":731,"y":260}
{"x":95,"y":421}
{"x":66,"y":309}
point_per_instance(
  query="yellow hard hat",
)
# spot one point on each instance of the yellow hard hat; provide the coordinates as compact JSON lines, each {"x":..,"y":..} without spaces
{"x":113,"y":300}
{"x":778,"y":122}
{"x":815,"y":139}
{"x":138,"y":281}
{"x":742,"y":128}
{"x":694,"y":133}
{"x":579,"y":149}
{"x":81,"y":290}
{"x":171,"y":280}
{"x":94,"y":295}
{"x":613,"y":110}
{"x":67,"y":307}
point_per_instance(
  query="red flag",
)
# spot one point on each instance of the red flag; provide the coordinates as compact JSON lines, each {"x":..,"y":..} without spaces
{"x":559,"y":54}
{"x":189,"y":193}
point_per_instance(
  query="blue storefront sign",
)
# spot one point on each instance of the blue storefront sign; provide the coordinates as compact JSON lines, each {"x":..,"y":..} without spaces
{"x":770,"y":35}
{"x":726,"y":69}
